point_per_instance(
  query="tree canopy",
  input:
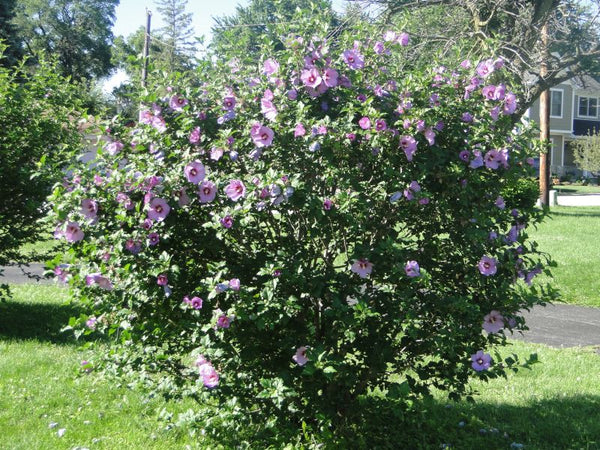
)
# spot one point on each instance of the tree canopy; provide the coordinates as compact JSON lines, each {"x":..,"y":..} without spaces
{"x":77,"y":32}
{"x":513,"y":29}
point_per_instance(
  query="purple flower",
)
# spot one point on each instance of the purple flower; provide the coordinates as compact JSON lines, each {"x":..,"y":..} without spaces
{"x":412,"y":269}
{"x":207,"y":191}
{"x":403,"y":39}
{"x":234,"y":284}
{"x":299,"y":130}
{"x":477,"y":161}
{"x":300,"y":356}
{"x":380,"y":125}
{"x":430,"y":136}
{"x":114,"y":147}
{"x":365,"y":123}
{"x":91,"y":322}
{"x":311,"y":78}
{"x":235,"y":190}
{"x":464,"y":155}
{"x":210,"y":377}
{"x":485,"y":68}
{"x":510,"y":104}
{"x":292,"y":94}
{"x":494,"y":113}
{"x":409,"y":145}
{"x":493,"y":322}
{"x":194,"y":172}
{"x":97,"y":278}
{"x":492,"y":159}
{"x":229,"y":103}
{"x":177,"y":102}
{"x":327,"y":204}
{"x":133,"y":246}
{"x":216,"y":153}
{"x":467,"y":117}
{"x":481,"y":361}
{"x":261,"y":136}
{"x":354,"y":59}
{"x":89,"y":208}
{"x":362,"y":267}
{"x":223,"y":321}
{"x":227,"y":221}
{"x":73,"y":232}
{"x":159,"y":209}
{"x":378,"y":47}
{"x":196,"y":302}
{"x":159,"y":124}
{"x":330,"y":77}
{"x":162,"y":280}
{"x":153,"y":239}
{"x":487,"y":265}
{"x":500,"y":202}
{"x":195,"y":136}
{"x":270,"y":66}
{"x":267,"y":107}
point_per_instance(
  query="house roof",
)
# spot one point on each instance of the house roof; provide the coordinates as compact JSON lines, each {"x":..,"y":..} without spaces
{"x":586,"y":84}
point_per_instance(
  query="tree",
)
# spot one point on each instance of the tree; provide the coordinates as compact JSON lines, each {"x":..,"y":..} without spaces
{"x":587,"y":152}
{"x":175,"y":38}
{"x":78,"y":32}
{"x":512,"y":28}
{"x":252,"y":25}
{"x":8,"y":33}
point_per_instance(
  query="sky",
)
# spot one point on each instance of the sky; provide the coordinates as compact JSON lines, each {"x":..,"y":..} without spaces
{"x":131,"y":14}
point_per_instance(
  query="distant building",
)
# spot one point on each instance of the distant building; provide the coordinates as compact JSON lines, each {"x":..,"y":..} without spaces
{"x":574,"y":113}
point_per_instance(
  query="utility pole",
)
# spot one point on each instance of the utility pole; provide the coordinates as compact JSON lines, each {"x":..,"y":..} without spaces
{"x":545,"y":124}
{"x":146,"y":48}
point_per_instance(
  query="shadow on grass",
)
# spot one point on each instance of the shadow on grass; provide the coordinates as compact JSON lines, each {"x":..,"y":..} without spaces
{"x":40,"y":321}
{"x":546,"y":424}
{"x":576,"y":211}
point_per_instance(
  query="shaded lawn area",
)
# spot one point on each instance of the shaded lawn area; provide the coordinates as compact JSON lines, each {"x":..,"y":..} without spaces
{"x":570,"y":235}
{"x":552,"y":406}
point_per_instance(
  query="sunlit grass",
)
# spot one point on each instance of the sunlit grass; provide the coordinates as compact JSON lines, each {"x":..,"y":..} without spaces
{"x":570,"y":236}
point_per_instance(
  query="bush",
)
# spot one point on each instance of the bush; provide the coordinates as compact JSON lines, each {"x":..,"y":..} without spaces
{"x":38,"y":113}
{"x":301,"y":233}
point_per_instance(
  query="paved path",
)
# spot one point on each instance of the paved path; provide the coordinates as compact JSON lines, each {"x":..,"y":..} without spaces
{"x":554,"y":325}
{"x":562,"y":325}
{"x":19,"y":275}
{"x":578,"y":200}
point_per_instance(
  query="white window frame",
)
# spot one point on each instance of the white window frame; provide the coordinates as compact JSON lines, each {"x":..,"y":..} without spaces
{"x":579,"y":97}
{"x":562,"y":103}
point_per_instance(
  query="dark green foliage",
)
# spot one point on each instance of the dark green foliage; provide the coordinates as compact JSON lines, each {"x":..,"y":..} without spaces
{"x":39,"y":116}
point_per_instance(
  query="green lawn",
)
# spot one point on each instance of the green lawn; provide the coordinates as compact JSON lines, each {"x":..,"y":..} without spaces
{"x":572,"y":189}
{"x":553,"y":406}
{"x":570,"y":236}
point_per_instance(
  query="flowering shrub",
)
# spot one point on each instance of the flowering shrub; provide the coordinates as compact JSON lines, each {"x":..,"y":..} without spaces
{"x":286,"y":235}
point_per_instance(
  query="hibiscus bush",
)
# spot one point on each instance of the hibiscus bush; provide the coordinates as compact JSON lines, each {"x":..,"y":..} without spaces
{"x":285,"y":238}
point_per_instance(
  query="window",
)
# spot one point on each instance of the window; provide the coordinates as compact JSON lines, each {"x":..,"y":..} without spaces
{"x":556,"y":103}
{"x":588,"y":107}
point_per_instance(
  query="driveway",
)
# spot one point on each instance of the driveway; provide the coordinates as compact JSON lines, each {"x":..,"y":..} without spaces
{"x":578,"y":200}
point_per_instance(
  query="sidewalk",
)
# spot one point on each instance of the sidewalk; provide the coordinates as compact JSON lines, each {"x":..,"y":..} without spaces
{"x":578,"y":200}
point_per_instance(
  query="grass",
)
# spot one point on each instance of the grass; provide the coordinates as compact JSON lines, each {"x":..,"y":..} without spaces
{"x":553,"y":406}
{"x":572,"y":189}
{"x":568,"y":235}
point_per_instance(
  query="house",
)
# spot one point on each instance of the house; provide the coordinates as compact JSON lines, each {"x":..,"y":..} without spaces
{"x":574,"y":113}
